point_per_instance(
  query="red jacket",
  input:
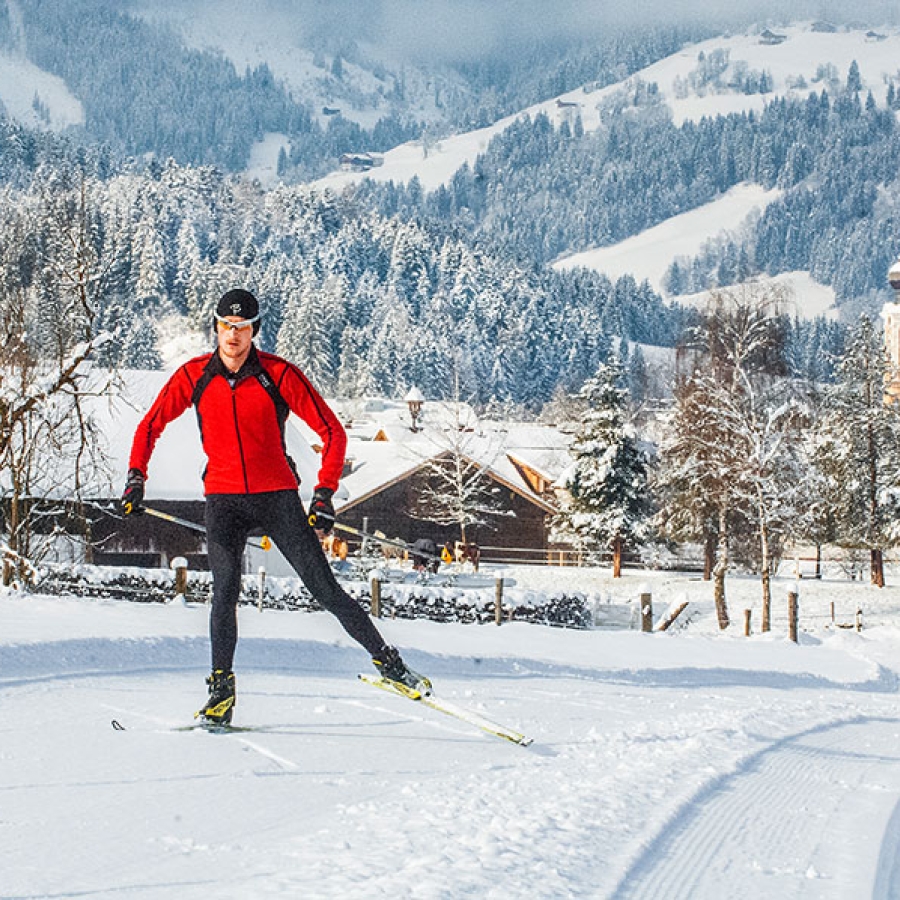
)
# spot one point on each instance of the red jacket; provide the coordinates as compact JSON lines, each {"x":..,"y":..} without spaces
{"x":239,"y":424}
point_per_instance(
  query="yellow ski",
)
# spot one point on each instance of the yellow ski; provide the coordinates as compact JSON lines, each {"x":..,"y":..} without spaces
{"x":449,"y":709}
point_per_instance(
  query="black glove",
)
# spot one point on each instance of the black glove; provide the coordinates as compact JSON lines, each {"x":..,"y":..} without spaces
{"x":133,"y":495}
{"x":321,"y":510}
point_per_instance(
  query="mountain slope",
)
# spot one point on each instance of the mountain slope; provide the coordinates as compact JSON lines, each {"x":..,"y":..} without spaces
{"x":568,"y":180}
{"x":691,"y":85}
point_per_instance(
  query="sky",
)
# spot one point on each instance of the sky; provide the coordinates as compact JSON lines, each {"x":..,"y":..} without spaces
{"x":461,"y":29}
{"x":457,"y":30}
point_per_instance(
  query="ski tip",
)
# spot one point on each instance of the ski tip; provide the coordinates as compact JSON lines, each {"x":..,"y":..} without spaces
{"x":117,"y":725}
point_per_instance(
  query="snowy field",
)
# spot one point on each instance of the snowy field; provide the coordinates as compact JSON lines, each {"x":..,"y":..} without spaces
{"x":796,"y":67}
{"x":685,"y":764}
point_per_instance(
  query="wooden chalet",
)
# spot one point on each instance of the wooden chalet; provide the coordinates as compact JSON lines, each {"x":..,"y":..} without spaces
{"x":770,"y":38}
{"x":393,"y":452}
{"x":392,"y":449}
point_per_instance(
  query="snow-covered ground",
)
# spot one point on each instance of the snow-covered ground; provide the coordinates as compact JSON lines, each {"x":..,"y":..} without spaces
{"x":652,"y":251}
{"x":649,"y":254}
{"x":21,"y":82}
{"x":802,"y":63}
{"x":685,"y":764}
{"x":805,"y":61}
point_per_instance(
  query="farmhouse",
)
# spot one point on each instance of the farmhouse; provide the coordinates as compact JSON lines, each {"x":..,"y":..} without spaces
{"x":360,"y":162}
{"x":396,"y":453}
{"x":391,"y":467}
{"x":771,"y":38}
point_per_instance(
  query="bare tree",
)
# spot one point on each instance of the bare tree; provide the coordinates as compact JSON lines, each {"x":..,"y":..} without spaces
{"x":455,"y":486}
{"x":734,"y":438}
{"x":49,"y":444}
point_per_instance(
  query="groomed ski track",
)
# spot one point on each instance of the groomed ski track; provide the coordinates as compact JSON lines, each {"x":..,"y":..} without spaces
{"x":661,"y":768}
{"x":785,"y":816}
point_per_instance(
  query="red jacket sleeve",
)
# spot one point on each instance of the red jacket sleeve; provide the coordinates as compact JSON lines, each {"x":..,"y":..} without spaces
{"x":171,"y":402}
{"x":304,"y":400}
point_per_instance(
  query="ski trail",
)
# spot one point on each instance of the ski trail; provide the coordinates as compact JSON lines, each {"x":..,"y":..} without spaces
{"x":282,"y":762}
{"x":887,"y":875}
{"x":785,"y":823}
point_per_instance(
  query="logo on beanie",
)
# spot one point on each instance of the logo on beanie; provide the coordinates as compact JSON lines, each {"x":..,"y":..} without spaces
{"x":235,"y":309}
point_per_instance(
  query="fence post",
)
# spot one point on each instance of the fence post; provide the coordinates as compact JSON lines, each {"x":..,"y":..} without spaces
{"x":180,"y":565}
{"x":498,"y":600}
{"x":747,"y":614}
{"x":376,"y":598}
{"x":646,"y":612}
{"x":793,"y":615}
{"x":260,"y":587}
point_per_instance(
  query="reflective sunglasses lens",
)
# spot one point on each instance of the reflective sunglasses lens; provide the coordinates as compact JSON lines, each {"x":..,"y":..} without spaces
{"x":225,"y":325}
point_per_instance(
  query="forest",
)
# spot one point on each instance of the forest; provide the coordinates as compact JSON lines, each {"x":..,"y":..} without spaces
{"x":542,"y":192}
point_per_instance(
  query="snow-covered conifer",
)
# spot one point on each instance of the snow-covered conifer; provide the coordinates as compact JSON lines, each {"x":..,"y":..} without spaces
{"x":608,"y":504}
{"x":858,"y":449}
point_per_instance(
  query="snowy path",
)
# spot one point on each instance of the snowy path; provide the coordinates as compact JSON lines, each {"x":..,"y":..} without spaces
{"x":793,"y":820}
{"x":663,"y":766}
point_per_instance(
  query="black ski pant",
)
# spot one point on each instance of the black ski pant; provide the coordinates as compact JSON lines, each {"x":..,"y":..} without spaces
{"x":230,"y":518}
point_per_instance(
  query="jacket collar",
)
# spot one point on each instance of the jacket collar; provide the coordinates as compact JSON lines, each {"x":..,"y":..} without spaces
{"x":251,"y":367}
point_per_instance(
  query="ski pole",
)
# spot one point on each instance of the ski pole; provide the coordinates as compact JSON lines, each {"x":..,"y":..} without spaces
{"x":349,"y":529}
{"x":265,"y":542}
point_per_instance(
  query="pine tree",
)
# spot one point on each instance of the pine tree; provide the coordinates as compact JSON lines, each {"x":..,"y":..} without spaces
{"x":306,"y":335}
{"x":859,"y":449}
{"x":608,"y":506}
{"x":150,"y":285}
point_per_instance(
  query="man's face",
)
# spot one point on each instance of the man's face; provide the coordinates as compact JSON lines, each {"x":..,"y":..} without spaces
{"x":235,"y":339}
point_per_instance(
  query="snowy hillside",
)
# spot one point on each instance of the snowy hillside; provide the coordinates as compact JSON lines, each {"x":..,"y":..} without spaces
{"x":703,"y":80}
{"x":275,"y":34}
{"x":650,"y":253}
{"x":28,"y":94}
{"x":679,"y":765}
{"x":36,"y":98}
{"x":803,"y":62}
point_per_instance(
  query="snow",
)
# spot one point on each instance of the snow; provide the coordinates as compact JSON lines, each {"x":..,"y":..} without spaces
{"x":685,"y":764}
{"x":805,"y":297}
{"x":795,"y":67}
{"x":280,"y":36}
{"x":651,"y":252}
{"x":21,"y":81}
{"x":799,"y":57}
{"x":263,"y":164}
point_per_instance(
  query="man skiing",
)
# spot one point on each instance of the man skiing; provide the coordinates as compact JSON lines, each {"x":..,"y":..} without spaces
{"x":242,"y":398}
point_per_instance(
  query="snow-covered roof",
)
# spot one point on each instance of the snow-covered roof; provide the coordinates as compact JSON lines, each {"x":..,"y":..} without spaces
{"x":383,"y":448}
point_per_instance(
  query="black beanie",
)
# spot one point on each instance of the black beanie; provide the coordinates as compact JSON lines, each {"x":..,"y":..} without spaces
{"x":238,"y":302}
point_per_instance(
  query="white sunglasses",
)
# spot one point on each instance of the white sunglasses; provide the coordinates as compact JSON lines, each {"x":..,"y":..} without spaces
{"x":235,"y":326}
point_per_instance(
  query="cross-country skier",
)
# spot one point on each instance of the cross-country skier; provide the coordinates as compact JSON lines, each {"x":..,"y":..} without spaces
{"x":242,"y":397}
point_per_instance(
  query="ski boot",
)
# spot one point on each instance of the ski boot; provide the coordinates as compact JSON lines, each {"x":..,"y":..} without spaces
{"x":219,"y":707}
{"x":392,"y":668}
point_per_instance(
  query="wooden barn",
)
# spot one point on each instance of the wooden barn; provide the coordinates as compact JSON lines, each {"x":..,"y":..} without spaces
{"x":395,"y":449}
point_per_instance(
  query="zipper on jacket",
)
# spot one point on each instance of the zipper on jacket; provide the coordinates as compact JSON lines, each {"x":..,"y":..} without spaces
{"x":237,"y":431}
